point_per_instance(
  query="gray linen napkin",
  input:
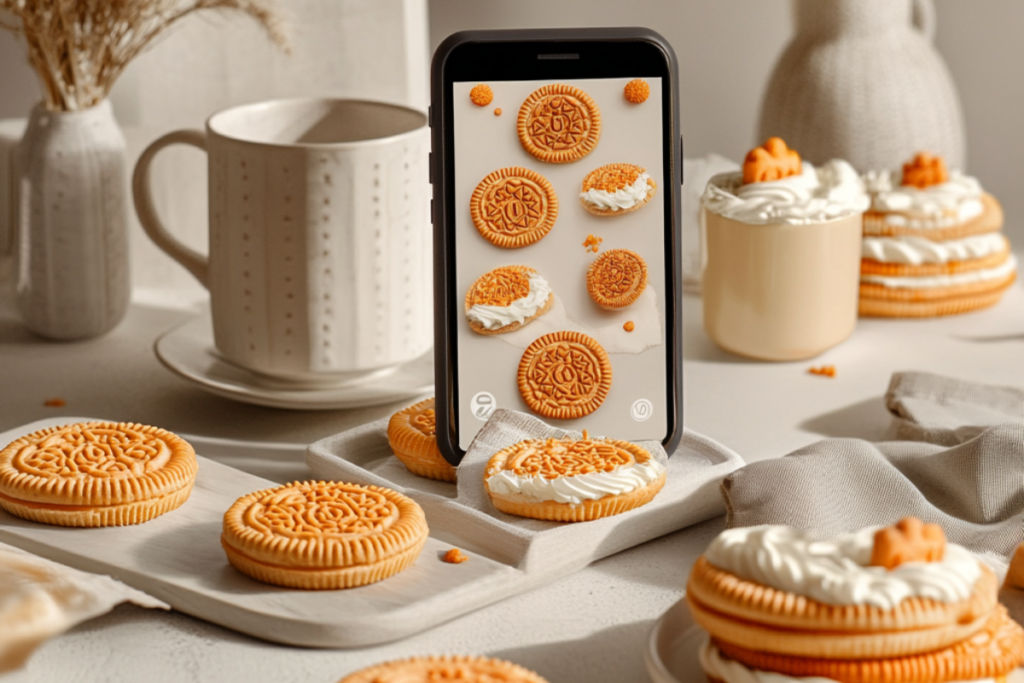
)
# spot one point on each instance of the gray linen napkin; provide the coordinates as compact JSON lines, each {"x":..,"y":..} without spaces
{"x":960,"y":465}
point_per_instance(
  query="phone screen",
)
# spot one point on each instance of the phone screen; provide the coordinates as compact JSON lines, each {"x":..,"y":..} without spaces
{"x":561,"y":260}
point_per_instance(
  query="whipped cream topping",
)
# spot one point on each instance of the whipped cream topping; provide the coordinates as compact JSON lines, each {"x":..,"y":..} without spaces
{"x":836,"y":571}
{"x":577,"y":488}
{"x":493,"y":317}
{"x":953,"y":202}
{"x":924,"y":281}
{"x":623,"y":198}
{"x":731,"y":671}
{"x":816,"y":195}
{"x":915,"y":251}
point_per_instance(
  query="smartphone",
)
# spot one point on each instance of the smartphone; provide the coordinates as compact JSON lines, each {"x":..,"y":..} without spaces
{"x":556,"y":168}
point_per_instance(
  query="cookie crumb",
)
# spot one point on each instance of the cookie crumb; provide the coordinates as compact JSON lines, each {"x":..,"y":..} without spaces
{"x":629,"y":326}
{"x":54,"y":403}
{"x":454,"y":556}
{"x":824,"y":370}
{"x":591,"y":243}
{"x":481,"y":95}
{"x":637,"y":91}
{"x":586,"y":435}
{"x":497,"y":111}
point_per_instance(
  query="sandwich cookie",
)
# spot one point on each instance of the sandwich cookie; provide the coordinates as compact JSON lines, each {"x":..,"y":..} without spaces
{"x":514,"y":207}
{"x":412,"y":436}
{"x":445,"y":668}
{"x":616,"y":189}
{"x":507,"y":298}
{"x":564,"y":375}
{"x":559,"y":124}
{"x":616,"y":278}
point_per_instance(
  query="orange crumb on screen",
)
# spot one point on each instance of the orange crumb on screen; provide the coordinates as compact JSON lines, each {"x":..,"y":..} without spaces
{"x":825,"y":370}
{"x":455,"y":556}
{"x":55,"y":403}
{"x":591,"y":243}
{"x":481,"y":95}
{"x":637,"y":91}
{"x":497,"y":111}
{"x":629,"y":326}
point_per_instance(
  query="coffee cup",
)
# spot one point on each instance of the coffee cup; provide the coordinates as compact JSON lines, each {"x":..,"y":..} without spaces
{"x":319,"y":261}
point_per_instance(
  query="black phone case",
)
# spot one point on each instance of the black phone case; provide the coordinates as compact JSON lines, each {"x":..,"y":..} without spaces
{"x":443,"y":270}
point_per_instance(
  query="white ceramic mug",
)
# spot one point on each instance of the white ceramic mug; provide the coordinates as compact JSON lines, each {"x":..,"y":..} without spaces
{"x":319,"y":259}
{"x":781,"y":292}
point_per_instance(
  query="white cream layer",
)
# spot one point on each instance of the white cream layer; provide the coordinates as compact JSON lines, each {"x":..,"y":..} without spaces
{"x":493,"y":317}
{"x":576,"y":489}
{"x":836,"y":571}
{"x":624,"y":198}
{"x":926,"y":281}
{"x":938,"y":206}
{"x":731,"y":671}
{"x":918,"y":250}
{"x":816,"y":195}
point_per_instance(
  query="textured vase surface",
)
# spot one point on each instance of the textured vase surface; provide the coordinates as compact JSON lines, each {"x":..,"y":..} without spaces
{"x":861,"y":81}
{"x":71,"y":235}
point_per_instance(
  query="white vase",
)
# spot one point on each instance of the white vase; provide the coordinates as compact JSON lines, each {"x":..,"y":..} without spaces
{"x":862,"y":81}
{"x":71,"y":238}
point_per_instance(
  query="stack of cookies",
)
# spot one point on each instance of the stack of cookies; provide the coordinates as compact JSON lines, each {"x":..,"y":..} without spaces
{"x":898,"y":605}
{"x":932,"y":243}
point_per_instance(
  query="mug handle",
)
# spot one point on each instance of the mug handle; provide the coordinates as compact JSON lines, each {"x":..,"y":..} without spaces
{"x":194,"y":262}
{"x":924,"y":18}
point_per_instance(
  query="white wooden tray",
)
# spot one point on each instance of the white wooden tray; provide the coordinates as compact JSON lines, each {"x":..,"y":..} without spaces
{"x":178,"y":559}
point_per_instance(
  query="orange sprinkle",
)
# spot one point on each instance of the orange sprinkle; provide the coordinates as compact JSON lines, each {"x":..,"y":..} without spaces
{"x":637,"y":91}
{"x":497,"y":111}
{"x":825,"y":370}
{"x":454,"y":556}
{"x":629,"y":326}
{"x":591,"y":243}
{"x":481,"y":95}
{"x":55,"y":403}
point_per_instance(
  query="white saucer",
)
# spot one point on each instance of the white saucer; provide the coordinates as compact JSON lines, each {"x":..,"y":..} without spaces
{"x":673,"y":649}
{"x":188,"y":351}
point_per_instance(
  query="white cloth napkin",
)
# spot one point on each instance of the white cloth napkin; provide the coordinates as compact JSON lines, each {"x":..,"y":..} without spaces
{"x":40,"y":598}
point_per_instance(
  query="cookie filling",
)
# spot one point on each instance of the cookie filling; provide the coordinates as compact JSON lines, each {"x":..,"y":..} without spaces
{"x":622,"y":198}
{"x":999,"y":272}
{"x":494,"y":317}
{"x":730,"y":671}
{"x":915,"y":251}
{"x":836,"y":571}
{"x":814,"y":195}
{"x":950,"y":203}
{"x":577,"y":488}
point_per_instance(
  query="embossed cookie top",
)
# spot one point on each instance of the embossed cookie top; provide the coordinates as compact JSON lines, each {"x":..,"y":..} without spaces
{"x":425,"y":422}
{"x":500,"y":287}
{"x":616,"y":278}
{"x":564,"y":375}
{"x":559,"y":124}
{"x":514,"y":207}
{"x":96,"y":463}
{"x":439,"y":669}
{"x":551,"y":458}
{"x":320,"y":523}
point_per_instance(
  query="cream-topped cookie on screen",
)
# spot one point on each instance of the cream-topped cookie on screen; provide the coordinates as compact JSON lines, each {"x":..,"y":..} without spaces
{"x":932,"y":243}
{"x":506,"y":298}
{"x":886,"y":605}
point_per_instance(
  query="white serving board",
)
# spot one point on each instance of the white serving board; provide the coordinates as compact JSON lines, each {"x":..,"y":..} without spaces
{"x":178,"y":559}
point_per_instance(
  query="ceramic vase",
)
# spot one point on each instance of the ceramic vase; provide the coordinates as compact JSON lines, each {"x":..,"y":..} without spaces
{"x":862,"y":81}
{"x":70,"y":221}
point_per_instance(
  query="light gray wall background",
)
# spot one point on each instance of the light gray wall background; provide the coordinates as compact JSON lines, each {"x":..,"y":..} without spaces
{"x":726,"y":49}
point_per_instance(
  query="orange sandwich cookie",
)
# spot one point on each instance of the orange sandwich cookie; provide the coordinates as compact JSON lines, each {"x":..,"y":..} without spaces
{"x":637,"y":91}
{"x":481,"y":95}
{"x":932,"y":243}
{"x":616,"y":189}
{"x":616,"y":278}
{"x":322,"y":535}
{"x":569,"y":480}
{"x":559,"y":124}
{"x":445,"y":668}
{"x":889,"y":605}
{"x":94,"y":474}
{"x":564,"y":375}
{"x":506,"y":298}
{"x":412,"y":437}
{"x":514,"y":207}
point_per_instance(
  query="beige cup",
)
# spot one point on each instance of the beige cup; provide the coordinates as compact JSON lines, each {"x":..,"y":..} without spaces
{"x":319,"y":265}
{"x":781,"y":292}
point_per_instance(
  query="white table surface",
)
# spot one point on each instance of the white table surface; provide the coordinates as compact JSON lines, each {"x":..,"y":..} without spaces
{"x":592,"y":626}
